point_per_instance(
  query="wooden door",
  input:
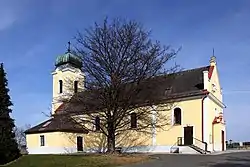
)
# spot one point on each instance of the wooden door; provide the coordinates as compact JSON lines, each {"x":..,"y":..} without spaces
{"x":79,"y":143}
{"x":188,"y":135}
{"x":223,"y":140}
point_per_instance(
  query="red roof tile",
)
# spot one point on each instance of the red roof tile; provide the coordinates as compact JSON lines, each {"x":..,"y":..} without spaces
{"x":210,"y":72}
{"x":60,"y":108}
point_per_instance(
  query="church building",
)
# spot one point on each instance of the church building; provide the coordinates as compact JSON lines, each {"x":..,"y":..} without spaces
{"x":197,"y":125}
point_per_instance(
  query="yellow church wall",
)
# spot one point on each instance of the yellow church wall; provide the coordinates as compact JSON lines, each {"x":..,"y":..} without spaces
{"x":127,"y":138}
{"x":51,"y":139}
{"x":215,"y":130}
{"x":54,"y":142}
{"x":218,"y":130}
{"x":68,"y":77}
{"x":191,"y":116}
{"x":132,"y":138}
{"x":69,"y":139}
{"x":212,"y":110}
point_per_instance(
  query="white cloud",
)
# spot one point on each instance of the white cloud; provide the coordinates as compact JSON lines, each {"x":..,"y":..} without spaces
{"x":11,"y":11}
{"x":7,"y":18}
{"x":8,"y":15}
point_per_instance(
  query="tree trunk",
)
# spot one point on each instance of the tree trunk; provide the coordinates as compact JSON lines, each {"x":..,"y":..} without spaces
{"x":111,"y":138}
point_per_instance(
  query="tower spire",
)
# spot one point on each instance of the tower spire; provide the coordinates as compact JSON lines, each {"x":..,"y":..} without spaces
{"x":213,"y":59}
{"x":69,"y":47}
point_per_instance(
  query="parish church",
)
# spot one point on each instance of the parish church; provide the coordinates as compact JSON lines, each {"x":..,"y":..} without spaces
{"x":196,"y":126}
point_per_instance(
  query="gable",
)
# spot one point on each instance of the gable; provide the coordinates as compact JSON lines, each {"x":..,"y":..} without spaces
{"x":214,"y":84}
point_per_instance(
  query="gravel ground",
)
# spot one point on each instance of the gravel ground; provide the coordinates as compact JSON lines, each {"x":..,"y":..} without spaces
{"x":226,"y":159}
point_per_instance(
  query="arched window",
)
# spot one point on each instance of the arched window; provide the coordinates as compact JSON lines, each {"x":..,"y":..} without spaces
{"x":97,"y":123}
{"x":60,"y":86}
{"x":133,"y":120}
{"x":75,"y":86}
{"x":177,"y":116}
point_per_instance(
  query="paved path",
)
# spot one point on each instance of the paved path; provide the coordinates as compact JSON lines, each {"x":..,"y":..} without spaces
{"x":230,"y":159}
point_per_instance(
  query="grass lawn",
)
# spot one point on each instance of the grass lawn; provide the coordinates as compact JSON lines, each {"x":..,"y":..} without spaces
{"x":76,"y":160}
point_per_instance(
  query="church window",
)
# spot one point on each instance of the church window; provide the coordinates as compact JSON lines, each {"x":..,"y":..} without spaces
{"x":97,"y":123}
{"x":133,"y":120}
{"x":75,"y":86}
{"x":177,"y":116}
{"x":42,"y":141}
{"x":60,"y":86}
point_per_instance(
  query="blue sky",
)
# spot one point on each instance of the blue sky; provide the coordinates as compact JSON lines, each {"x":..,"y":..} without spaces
{"x":33,"y":33}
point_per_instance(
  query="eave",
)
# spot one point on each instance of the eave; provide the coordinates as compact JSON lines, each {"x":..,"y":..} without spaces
{"x":56,"y":130}
{"x":216,"y":100}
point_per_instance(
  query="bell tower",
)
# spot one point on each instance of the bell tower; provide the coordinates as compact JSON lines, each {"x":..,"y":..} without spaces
{"x":68,"y":78}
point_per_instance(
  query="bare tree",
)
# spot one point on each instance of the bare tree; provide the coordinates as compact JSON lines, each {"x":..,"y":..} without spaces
{"x":122,"y":67}
{"x":20,"y":135}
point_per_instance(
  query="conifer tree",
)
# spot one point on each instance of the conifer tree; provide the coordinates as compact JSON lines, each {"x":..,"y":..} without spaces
{"x":8,"y":146}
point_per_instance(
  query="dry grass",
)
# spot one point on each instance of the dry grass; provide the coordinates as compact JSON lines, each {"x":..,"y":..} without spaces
{"x":127,"y":159}
{"x":91,"y":160}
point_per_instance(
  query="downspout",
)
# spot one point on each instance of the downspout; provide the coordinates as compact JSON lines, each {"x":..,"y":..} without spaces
{"x":202,"y":115}
{"x":213,"y":134}
{"x":206,"y":78}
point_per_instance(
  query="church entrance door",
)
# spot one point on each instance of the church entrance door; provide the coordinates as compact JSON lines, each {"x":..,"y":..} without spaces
{"x":188,"y":135}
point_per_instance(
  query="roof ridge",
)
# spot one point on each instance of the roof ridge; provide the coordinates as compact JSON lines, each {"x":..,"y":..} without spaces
{"x":193,"y":69}
{"x":181,"y":71}
{"x":40,"y":124}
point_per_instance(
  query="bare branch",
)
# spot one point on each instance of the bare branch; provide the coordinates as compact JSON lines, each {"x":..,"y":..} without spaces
{"x":125,"y":72}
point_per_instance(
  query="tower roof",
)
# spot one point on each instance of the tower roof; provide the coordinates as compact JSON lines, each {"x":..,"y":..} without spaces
{"x":69,"y":58}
